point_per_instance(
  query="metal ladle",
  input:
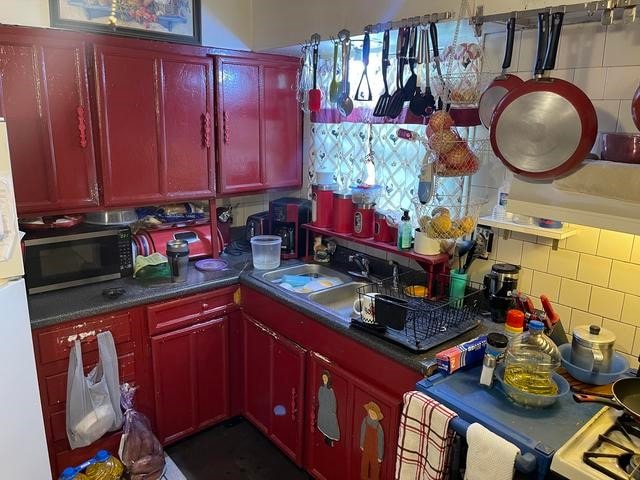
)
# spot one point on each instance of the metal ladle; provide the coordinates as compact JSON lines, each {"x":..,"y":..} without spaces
{"x":345,"y":104}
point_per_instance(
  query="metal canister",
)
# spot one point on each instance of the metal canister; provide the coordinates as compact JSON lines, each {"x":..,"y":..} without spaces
{"x":178,"y":256}
{"x":343,"y":209}
{"x":363,"y":220}
{"x":322,"y":205}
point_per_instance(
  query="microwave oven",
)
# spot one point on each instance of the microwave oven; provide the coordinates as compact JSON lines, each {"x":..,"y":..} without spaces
{"x":56,"y":259}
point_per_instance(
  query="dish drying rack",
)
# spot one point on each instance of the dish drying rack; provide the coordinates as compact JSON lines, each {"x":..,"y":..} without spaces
{"x":430,"y":320}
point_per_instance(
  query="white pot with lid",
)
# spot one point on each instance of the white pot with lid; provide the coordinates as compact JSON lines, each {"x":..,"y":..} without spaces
{"x":592,"y":348}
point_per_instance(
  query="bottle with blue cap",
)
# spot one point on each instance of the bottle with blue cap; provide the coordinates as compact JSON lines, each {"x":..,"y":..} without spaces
{"x":104,"y":466}
{"x":71,"y":473}
{"x":531,"y":360}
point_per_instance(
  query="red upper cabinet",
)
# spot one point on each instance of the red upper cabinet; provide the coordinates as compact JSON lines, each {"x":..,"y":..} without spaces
{"x":258,"y":125}
{"x":239,"y":112}
{"x":155,"y":125}
{"x":187,"y":103}
{"x":45,"y":101}
{"x":281,"y":127}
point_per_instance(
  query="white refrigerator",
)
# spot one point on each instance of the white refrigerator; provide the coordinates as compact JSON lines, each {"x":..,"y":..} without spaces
{"x":23,"y":447}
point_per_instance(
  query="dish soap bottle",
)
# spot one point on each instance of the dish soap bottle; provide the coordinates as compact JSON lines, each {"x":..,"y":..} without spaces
{"x":404,"y":231}
{"x":530,"y":361}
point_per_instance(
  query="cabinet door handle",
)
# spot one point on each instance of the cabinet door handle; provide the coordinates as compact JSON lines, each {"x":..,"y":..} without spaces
{"x":205,"y":306}
{"x":294,"y":407}
{"x":82,"y":126}
{"x":206,"y":129}
{"x":225,"y":128}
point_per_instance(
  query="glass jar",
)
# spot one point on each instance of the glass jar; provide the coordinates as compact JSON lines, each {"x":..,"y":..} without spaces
{"x":530,"y":361}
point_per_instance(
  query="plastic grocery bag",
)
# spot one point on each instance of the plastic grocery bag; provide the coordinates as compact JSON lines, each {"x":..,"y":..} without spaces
{"x":140,"y":450}
{"x":93,"y":402}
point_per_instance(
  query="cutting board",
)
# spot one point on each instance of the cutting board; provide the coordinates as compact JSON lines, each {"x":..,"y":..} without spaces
{"x":586,"y":388}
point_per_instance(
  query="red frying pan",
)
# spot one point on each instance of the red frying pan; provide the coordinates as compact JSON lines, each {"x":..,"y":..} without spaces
{"x":503,"y":83}
{"x":547,"y":126}
{"x":635,"y":108}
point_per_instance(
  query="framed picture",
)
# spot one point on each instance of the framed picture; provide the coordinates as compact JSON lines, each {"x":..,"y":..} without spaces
{"x":169,"y":20}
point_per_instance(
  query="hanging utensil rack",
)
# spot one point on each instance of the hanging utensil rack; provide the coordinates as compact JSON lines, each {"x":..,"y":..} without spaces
{"x":603,"y":11}
{"x":409,"y":22}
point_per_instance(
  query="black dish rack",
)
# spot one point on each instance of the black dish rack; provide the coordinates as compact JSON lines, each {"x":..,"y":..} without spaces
{"x":420,"y":323}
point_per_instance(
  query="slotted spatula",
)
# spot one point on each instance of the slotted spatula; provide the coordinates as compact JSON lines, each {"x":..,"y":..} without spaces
{"x":383,"y":101}
{"x":397,"y":99}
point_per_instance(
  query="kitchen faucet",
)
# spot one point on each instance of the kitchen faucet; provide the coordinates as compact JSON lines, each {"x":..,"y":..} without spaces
{"x":363,"y":264}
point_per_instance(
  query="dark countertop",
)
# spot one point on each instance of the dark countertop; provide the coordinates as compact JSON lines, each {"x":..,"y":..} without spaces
{"x":423,"y":363}
{"x":80,"y":302}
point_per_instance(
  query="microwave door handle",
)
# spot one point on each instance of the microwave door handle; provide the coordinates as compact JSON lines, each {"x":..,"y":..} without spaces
{"x":189,"y":237}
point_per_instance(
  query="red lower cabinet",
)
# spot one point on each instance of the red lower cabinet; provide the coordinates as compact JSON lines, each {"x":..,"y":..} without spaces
{"x":352,"y":427}
{"x":274,"y":370}
{"x":190,"y":374}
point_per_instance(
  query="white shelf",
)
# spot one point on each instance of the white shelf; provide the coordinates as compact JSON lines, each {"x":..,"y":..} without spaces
{"x":555,"y":234}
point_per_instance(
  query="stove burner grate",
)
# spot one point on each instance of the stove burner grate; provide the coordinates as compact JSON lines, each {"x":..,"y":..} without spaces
{"x":627,"y":459}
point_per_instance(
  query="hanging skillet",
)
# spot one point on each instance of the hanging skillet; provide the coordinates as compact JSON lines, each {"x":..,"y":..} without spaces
{"x":503,"y":83}
{"x":545,"y":127}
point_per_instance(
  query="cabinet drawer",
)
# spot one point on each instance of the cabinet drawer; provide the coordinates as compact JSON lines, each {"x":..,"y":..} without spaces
{"x":54,"y":345}
{"x":56,"y":385}
{"x":168,"y":316}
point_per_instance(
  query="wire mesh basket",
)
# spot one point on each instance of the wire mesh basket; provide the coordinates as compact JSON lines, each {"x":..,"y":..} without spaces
{"x":403,"y":311}
{"x":446,"y":217}
{"x":458,"y":158}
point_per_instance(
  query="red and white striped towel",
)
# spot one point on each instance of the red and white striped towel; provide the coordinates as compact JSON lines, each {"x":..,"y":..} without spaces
{"x":424,"y":440}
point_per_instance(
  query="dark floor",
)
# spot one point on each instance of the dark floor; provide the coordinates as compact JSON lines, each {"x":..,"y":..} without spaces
{"x":234,"y":450}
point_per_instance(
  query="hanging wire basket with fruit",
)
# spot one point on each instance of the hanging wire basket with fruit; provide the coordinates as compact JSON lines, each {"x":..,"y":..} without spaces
{"x":451,"y":153}
{"x":446,"y":217}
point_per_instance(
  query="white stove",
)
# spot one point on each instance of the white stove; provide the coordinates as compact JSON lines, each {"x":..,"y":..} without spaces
{"x":605,"y":448}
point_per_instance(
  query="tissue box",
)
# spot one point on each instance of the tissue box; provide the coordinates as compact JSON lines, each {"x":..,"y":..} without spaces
{"x":466,"y":354}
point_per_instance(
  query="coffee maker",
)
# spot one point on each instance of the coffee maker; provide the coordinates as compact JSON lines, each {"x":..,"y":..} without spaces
{"x":499,"y":283}
{"x":287,"y":216}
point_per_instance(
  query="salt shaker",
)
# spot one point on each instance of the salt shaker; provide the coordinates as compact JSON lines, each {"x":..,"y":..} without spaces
{"x":496,"y":345}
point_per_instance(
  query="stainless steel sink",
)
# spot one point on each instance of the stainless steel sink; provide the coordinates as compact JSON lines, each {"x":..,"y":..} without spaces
{"x":311,"y":269}
{"x":340,"y":299}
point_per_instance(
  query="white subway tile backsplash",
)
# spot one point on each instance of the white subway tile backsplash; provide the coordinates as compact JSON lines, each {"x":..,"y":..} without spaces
{"x":524,"y":280}
{"x":563,"y":263}
{"x":615,"y":245}
{"x":607,"y":112}
{"x":624,"y":333}
{"x":625,"y":277}
{"x":594,"y":270}
{"x":543,"y":283}
{"x":579,"y":318}
{"x":625,"y":121}
{"x":636,"y":350}
{"x":635,"y":252}
{"x":631,"y":310}
{"x":510,"y":251}
{"x":591,"y":81}
{"x":575,"y":294}
{"x":527,"y":52}
{"x":622,"y":45}
{"x":494,"y":52}
{"x":478,"y":269}
{"x":581,"y":46}
{"x":584,"y":242}
{"x":535,"y":256}
{"x":565,"y":315}
{"x":606,"y":303}
{"x":621,"y":82}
